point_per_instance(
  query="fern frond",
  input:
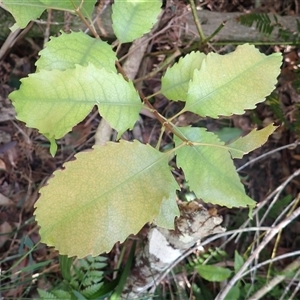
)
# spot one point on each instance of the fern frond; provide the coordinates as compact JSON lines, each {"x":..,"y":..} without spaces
{"x":61,"y":294}
{"x":84,"y":264}
{"x":263,"y":22}
{"x":274,"y":103}
{"x":91,"y":290}
{"x":46,"y":295}
{"x":94,"y":276}
{"x":91,"y":259}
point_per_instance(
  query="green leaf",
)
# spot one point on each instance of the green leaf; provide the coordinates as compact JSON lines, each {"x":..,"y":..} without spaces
{"x":78,"y":295}
{"x":65,"y":264}
{"x":229,"y":84}
{"x":251,"y":141}
{"x":55,"y":101}
{"x":61,"y":294}
{"x":234,"y":293}
{"x":209,"y":169}
{"x":46,"y":295}
{"x":227,"y":134}
{"x":102,"y":197}
{"x":25,"y":11}
{"x":85,"y":7}
{"x":175,"y":82}
{"x":67,"y":50}
{"x":238,"y":261}
{"x":212,"y":273}
{"x":132,"y":19}
{"x":168,"y":211}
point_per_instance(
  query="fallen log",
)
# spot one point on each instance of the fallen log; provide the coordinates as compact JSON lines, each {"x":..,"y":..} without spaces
{"x":233,"y":31}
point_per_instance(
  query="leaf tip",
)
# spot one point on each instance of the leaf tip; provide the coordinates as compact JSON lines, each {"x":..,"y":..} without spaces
{"x":53,"y":146}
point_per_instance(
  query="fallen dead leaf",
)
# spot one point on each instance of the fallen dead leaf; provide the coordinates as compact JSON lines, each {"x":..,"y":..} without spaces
{"x":5,"y":231}
{"x":5,"y":200}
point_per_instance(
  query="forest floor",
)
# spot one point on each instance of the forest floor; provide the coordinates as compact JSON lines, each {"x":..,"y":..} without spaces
{"x":26,"y":164}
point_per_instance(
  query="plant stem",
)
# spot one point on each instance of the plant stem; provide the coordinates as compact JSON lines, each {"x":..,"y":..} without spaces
{"x":197,"y":21}
{"x":166,"y":123}
{"x":90,"y":26}
{"x":160,"y":138}
{"x":159,"y":68}
{"x":178,"y":114}
{"x":121,"y":70}
{"x":220,"y":27}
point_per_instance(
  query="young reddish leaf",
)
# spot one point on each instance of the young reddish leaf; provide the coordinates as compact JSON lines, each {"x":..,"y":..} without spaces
{"x":132,"y":19}
{"x":175,"y":83}
{"x":102,"y":197}
{"x":55,"y":101}
{"x":251,"y":141}
{"x":209,"y":169}
{"x":67,"y":50}
{"x":229,"y":84}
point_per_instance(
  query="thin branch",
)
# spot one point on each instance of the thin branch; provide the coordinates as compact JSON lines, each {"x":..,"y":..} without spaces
{"x":204,"y":243}
{"x":90,"y":26}
{"x":274,"y":194}
{"x":276,"y":280}
{"x":289,"y":146}
{"x":289,"y":286}
{"x":271,"y":260}
{"x":269,"y":236}
{"x":197,"y":21}
{"x":220,"y":27}
{"x":170,"y":126}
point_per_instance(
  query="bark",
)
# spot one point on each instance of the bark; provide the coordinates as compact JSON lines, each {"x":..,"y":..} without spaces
{"x":233,"y":31}
{"x":165,"y":246}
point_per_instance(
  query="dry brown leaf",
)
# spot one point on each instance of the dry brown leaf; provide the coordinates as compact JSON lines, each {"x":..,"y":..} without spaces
{"x":5,"y":200}
{"x":5,"y":231}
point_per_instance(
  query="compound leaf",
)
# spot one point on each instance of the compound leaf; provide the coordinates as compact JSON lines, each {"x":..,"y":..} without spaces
{"x":65,"y":51}
{"x":116,"y":189}
{"x":55,"y":101}
{"x":132,"y":19}
{"x":251,"y":141}
{"x":229,"y":84}
{"x":209,"y":169}
{"x":175,"y":82}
